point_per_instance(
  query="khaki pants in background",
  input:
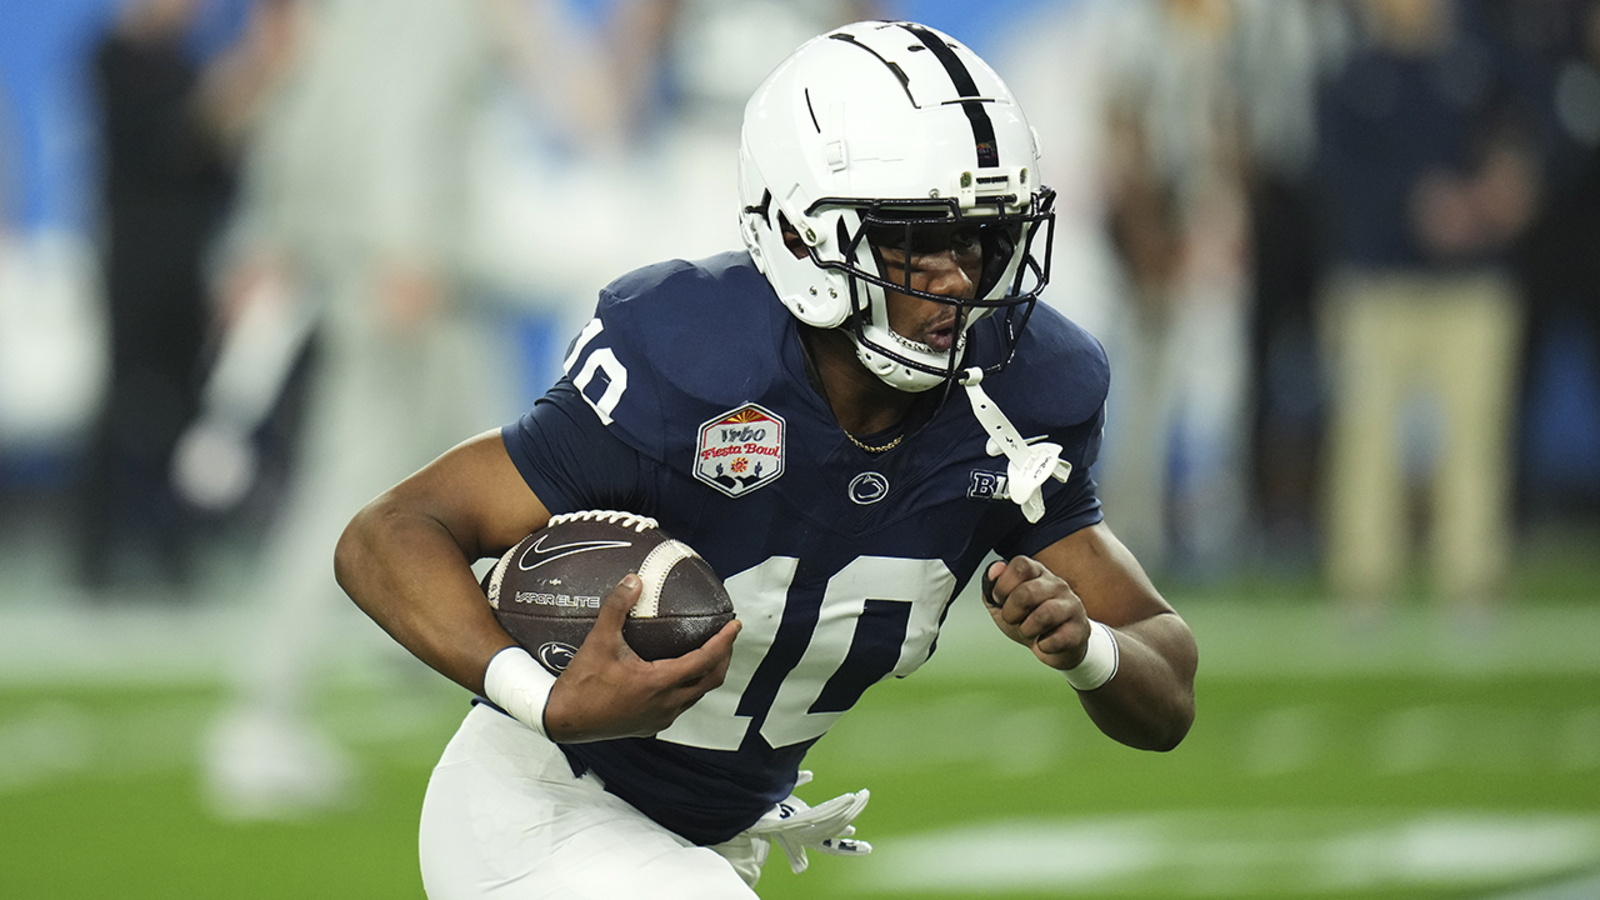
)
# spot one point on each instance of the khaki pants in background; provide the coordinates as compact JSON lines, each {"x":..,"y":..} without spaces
{"x":1455,"y":338}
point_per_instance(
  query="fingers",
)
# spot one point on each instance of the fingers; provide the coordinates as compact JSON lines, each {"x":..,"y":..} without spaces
{"x":706,"y":666}
{"x":1036,"y":607}
{"x":615,"y":607}
{"x":989,"y":576}
{"x":691,"y":676}
{"x":719,"y":647}
{"x":702,"y":669}
{"x":623,"y":695}
{"x":1051,"y":628}
{"x":709,"y":659}
{"x":1019,"y":586}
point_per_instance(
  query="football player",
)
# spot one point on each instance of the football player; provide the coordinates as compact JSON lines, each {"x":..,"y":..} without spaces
{"x":846,"y":418}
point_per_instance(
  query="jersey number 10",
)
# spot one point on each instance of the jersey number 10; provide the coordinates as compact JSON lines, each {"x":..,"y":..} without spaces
{"x":801,"y":660}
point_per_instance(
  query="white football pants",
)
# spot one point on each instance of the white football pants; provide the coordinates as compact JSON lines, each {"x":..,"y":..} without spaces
{"x":505,"y":819}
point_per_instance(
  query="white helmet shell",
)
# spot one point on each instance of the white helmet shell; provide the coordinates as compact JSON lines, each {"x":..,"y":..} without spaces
{"x":885,"y":123}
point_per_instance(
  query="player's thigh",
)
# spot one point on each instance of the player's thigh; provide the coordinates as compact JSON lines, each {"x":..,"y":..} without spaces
{"x":504,"y":819}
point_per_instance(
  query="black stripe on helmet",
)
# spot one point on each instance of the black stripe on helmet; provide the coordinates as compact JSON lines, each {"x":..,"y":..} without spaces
{"x":977,"y":113}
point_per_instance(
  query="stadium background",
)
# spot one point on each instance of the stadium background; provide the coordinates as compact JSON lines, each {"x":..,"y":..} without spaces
{"x":1430,"y":758}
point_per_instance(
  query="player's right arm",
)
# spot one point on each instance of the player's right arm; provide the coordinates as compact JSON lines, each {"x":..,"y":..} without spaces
{"x":405,"y":559}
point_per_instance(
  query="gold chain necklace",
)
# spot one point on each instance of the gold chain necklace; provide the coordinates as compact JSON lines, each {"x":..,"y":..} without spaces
{"x":870,"y":449}
{"x":815,"y":378}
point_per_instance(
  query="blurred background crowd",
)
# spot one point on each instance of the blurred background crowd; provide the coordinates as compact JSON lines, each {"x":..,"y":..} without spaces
{"x":256,"y":257}
{"x":1342,"y":252}
{"x":260,"y":258}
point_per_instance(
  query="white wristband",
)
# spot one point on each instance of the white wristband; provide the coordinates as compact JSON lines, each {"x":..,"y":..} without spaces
{"x":1099,"y":659}
{"x":519,"y":685}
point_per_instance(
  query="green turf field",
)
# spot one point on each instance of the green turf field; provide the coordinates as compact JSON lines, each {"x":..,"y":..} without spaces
{"x":1414,"y":760}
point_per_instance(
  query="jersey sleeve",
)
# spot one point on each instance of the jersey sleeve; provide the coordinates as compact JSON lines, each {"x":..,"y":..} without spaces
{"x":1075,"y":505}
{"x":569,"y":458}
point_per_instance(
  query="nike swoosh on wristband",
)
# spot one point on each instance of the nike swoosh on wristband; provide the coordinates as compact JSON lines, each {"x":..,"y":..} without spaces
{"x":542,"y":554}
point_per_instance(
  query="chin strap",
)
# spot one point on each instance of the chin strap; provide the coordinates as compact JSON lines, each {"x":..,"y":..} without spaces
{"x":1028,"y":465}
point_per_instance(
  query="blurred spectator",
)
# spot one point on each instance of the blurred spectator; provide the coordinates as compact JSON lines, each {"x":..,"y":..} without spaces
{"x":1426,"y":177}
{"x":356,"y":223}
{"x":1136,"y":105}
{"x":1285,"y":50}
{"x":1558,"y":263}
{"x":169,"y":126}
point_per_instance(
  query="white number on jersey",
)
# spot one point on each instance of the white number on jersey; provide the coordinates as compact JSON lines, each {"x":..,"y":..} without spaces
{"x":877,"y":617}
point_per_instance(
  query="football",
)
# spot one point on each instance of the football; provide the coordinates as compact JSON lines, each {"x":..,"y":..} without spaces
{"x":546,"y":591}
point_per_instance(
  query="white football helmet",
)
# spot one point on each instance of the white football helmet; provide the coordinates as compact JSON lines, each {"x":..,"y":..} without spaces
{"x":891,"y":125}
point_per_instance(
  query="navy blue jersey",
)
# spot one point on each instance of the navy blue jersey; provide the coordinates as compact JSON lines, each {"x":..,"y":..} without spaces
{"x":686,"y":399}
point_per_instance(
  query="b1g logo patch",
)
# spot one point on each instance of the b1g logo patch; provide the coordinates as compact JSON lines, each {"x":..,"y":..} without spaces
{"x":740,"y":450}
{"x":988,"y":486}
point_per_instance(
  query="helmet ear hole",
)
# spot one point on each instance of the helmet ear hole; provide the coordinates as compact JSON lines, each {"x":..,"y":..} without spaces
{"x":791,"y":237}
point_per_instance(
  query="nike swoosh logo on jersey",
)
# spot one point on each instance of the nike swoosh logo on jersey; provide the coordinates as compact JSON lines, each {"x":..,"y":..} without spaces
{"x":542,"y":554}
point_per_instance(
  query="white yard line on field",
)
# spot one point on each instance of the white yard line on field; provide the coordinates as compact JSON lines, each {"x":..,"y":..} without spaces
{"x":1239,"y":854}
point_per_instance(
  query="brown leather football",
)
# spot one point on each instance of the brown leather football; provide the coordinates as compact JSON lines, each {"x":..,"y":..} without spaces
{"x":546,"y":591}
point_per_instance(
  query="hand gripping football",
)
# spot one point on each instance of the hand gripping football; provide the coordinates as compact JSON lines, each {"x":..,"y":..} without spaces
{"x":546,"y":591}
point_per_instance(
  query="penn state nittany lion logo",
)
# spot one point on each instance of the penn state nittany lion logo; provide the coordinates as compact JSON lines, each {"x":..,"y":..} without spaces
{"x":740,"y":450}
{"x":555,"y":656}
{"x":868,"y":488}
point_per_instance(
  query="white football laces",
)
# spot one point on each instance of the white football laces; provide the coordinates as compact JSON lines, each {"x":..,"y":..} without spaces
{"x":616,"y":517}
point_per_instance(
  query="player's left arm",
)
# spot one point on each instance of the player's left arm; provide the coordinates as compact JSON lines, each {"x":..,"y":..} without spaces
{"x":1046,"y":602}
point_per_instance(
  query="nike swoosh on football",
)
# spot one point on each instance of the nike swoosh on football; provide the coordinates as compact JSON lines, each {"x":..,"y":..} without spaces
{"x":545,"y":554}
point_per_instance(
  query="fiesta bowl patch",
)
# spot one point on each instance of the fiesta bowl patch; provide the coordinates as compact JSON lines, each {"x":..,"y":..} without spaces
{"x":740,"y":450}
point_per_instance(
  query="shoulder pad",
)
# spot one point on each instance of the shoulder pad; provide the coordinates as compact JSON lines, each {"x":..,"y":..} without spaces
{"x":1057,"y":379}
{"x":679,"y":342}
